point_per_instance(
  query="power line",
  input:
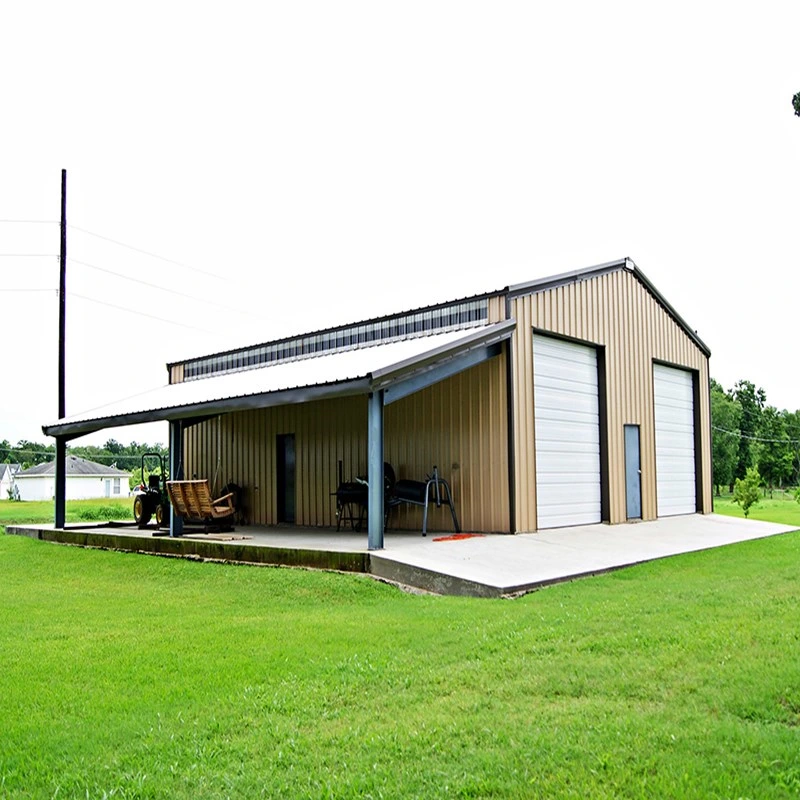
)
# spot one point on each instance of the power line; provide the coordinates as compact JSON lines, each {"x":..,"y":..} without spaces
{"x":32,"y":221}
{"x":755,"y":438}
{"x":141,"y":282}
{"x":17,"y":451}
{"x":140,"y":313}
{"x":148,"y":253}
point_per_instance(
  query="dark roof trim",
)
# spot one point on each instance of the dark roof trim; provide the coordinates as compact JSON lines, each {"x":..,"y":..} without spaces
{"x":345,"y":388}
{"x":480,"y":338}
{"x":344,"y":326}
{"x":418,"y":380}
{"x":576,"y":276}
{"x":212,"y":408}
{"x":555,"y":281}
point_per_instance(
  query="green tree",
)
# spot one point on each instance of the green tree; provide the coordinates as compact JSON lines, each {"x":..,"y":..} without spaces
{"x":113,"y":446}
{"x":796,"y":104}
{"x":745,"y":492}
{"x":29,"y":454}
{"x":752,"y":401}
{"x":793,"y":430}
{"x":726,"y":417}
{"x":773,"y":451}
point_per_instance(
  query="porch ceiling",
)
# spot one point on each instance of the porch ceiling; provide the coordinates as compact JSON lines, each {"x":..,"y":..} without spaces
{"x":412,"y":363}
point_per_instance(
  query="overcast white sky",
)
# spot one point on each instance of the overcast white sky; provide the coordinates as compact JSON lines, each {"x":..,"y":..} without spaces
{"x":334,"y":161}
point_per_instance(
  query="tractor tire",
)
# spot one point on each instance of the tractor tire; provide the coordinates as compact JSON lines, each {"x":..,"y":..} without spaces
{"x":144,"y":512}
{"x":162,"y":515}
{"x":138,"y":508}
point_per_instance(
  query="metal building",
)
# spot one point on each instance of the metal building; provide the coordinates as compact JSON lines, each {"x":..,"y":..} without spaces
{"x":577,"y":399}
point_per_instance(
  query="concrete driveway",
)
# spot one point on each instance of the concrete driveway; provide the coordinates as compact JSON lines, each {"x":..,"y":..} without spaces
{"x":492,"y":566}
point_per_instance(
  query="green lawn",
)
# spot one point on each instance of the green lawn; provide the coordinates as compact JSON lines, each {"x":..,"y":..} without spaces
{"x":142,"y":677}
{"x":77,"y":510}
{"x":781,"y":507}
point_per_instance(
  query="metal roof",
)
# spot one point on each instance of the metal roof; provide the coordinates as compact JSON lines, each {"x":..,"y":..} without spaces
{"x":340,"y":326}
{"x":513,"y":290}
{"x":348,"y":373}
{"x":75,"y":466}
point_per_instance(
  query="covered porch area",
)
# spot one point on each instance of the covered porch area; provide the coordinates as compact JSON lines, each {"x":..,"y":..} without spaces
{"x":298,"y":427}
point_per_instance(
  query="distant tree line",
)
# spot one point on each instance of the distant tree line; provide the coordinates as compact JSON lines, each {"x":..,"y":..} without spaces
{"x":747,"y":433}
{"x":127,"y":457}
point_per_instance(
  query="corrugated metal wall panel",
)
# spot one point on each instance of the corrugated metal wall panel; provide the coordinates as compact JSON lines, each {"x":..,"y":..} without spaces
{"x":617,"y":312}
{"x":458,"y":425}
{"x":497,"y":308}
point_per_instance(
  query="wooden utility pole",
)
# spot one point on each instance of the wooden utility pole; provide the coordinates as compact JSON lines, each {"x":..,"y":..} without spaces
{"x":61,"y":443}
{"x":62,"y":302}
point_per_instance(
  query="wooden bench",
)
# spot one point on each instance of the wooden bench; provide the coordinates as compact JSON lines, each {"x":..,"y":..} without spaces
{"x":192,"y":501}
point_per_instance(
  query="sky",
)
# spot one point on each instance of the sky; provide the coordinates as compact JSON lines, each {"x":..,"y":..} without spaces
{"x":258,"y":170}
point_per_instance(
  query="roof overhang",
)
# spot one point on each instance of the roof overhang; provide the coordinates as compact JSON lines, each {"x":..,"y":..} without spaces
{"x":398,"y":369}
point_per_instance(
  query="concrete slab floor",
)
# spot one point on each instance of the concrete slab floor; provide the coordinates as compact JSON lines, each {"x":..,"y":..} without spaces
{"x":494,"y":565}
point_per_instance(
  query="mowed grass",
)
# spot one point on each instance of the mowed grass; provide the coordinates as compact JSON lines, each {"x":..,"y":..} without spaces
{"x":35,"y":511}
{"x":141,"y":677}
{"x":781,"y":507}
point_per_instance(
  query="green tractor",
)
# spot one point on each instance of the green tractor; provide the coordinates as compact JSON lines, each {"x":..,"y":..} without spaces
{"x":151,"y":498}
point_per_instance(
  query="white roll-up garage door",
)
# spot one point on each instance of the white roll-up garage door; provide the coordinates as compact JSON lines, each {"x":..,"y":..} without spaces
{"x":675,"y":460}
{"x":567,"y":430}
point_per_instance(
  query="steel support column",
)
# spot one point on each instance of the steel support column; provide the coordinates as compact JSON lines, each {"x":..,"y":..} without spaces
{"x":375,"y":520}
{"x":175,"y":471}
{"x":61,"y":482}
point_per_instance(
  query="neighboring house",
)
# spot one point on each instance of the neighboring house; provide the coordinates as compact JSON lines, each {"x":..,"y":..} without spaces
{"x":575,"y":399}
{"x":85,"y":479}
{"x":7,"y":473}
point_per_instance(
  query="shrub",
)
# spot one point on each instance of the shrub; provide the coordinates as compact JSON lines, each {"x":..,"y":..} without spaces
{"x":745,"y":492}
{"x":99,"y":513}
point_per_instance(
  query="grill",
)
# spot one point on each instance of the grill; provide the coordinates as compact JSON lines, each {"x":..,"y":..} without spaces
{"x":351,"y":503}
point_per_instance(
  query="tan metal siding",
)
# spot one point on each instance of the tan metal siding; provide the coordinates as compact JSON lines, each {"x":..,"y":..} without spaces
{"x":176,"y":373}
{"x":458,"y":425}
{"x":497,"y":308}
{"x":617,"y":312}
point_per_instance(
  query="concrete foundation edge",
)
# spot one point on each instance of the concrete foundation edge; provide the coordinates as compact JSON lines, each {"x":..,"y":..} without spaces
{"x":234,"y":552}
{"x":430,"y":581}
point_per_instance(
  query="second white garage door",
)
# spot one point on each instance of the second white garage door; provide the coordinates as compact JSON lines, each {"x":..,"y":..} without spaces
{"x":567,"y":430}
{"x":676,"y":491}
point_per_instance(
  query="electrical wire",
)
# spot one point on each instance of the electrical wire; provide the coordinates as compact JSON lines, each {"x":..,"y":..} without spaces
{"x":141,"y":282}
{"x":148,"y":253}
{"x":140,"y":313}
{"x":16,"y":451}
{"x":755,"y":438}
{"x":32,"y":221}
